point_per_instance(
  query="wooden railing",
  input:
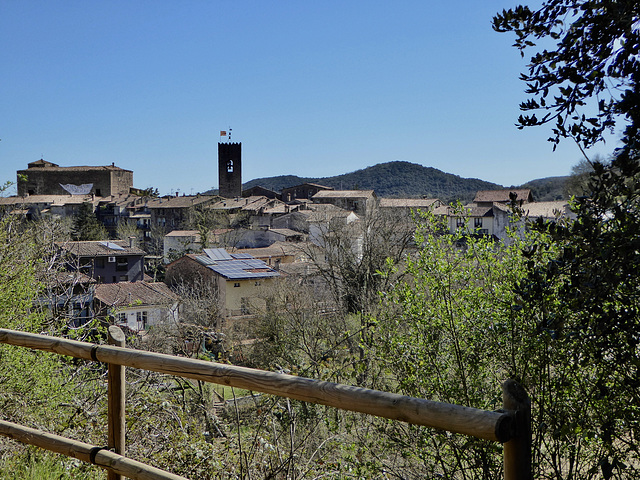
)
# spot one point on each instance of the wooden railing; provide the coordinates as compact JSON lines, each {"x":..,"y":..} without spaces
{"x":510,"y":426}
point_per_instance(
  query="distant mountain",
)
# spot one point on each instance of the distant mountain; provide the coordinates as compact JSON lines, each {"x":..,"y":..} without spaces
{"x":547,"y":189}
{"x":406,"y":180}
{"x":392,"y":179}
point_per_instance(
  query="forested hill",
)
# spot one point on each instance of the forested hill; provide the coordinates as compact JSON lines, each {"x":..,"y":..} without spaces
{"x":407,"y":180}
{"x":392,"y":179}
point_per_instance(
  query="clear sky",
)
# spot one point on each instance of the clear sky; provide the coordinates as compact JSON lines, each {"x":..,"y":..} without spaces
{"x":313,"y":89}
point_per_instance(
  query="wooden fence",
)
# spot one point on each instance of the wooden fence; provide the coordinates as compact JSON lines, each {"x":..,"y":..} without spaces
{"x":510,"y":426}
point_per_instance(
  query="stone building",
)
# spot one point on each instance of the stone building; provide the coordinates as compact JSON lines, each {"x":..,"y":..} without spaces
{"x":46,"y":178}
{"x":230,"y":170}
{"x":303,"y":191}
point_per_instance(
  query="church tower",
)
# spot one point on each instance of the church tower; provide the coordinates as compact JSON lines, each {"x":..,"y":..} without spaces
{"x":229,"y":170}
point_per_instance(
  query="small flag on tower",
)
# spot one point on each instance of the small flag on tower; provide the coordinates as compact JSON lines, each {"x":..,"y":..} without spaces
{"x":223,"y":133}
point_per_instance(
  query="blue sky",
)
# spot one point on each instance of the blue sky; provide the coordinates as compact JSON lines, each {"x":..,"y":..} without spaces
{"x":313,"y":89}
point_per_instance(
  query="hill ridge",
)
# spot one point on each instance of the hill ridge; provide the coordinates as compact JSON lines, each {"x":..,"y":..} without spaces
{"x":403,"y":179}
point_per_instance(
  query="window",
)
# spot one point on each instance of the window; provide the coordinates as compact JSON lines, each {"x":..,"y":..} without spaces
{"x":122,"y":264}
{"x":477,"y":222}
{"x":141,"y":318}
{"x":121,"y":318}
{"x":230,"y":166}
{"x":459,"y":222}
{"x":237,"y":284}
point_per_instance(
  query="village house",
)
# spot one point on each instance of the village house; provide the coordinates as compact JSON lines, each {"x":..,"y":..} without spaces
{"x":176,"y":213}
{"x":258,"y":191}
{"x":486,"y":198}
{"x":362,"y":202}
{"x":122,"y":209}
{"x":303,"y":191}
{"x":238,"y":278}
{"x":262,"y":237}
{"x":136,"y":305}
{"x":40,"y":206}
{"x":403,"y":207}
{"x":549,"y":211}
{"x":248,"y":211}
{"x":105,"y":261}
{"x":494,"y":219}
{"x":278,"y":253}
{"x":315,"y":220}
{"x":181,"y":242}
{"x":477,"y":220}
{"x":68,"y":295}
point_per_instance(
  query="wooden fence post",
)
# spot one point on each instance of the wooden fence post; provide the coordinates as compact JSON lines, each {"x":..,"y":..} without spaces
{"x":116,"y":401}
{"x":517,"y":451}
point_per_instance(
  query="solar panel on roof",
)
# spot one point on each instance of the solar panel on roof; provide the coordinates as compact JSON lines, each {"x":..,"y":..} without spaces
{"x":240,"y":270}
{"x":241,"y":256}
{"x":205,"y":260}
{"x":111,"y":245}
{"x":218,"y":254}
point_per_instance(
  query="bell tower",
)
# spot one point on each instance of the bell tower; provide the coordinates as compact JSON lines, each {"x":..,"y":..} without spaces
{"x":230,"y":170}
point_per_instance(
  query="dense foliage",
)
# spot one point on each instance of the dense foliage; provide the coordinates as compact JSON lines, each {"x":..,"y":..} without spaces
{"x":86,"y":226}
{"x":586,"y":299}
{"x":392,"y":179}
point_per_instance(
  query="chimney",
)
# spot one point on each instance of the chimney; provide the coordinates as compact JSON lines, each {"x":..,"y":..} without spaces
{"x":131,"y":241}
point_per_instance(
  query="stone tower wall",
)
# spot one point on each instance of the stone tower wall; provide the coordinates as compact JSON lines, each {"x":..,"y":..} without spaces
{"x":230,"y":170}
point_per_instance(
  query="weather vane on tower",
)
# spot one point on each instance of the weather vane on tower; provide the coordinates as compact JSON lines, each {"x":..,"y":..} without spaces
{"x":226,"y":133}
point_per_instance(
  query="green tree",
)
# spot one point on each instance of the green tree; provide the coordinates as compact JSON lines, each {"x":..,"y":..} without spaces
{"x":126,"y":230}
{"x":86,"y":226}
{"x":587,"y":298}
{"x":454,"y":329}
{"x":577,"y":185}
{"x":589,"y":80}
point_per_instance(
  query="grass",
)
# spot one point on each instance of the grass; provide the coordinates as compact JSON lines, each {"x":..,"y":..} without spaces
{"x":36,"y":464}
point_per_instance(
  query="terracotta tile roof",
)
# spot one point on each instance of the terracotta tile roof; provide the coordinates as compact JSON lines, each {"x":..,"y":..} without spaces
{"x":315,"y":185}
{"x":408,"y":202}
{"x":502,"y":195}
{"x":254,"y":203}
{"x":470,"y":210}
{"x":101,"y":248}
{"x":182,"y":233}
{"x":547,"y":209}
{"x":344,"y":194}
{"x":195,"y":234}
{"x":274,"y":250}
{"x":324,"y":212}
{"x":125,"y":294}
{"x":48,"y":166}
{"x":180,"y":202}
{"x":63,"y":277}
{"x":287,"y":232}
{"x":58,"y":200}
